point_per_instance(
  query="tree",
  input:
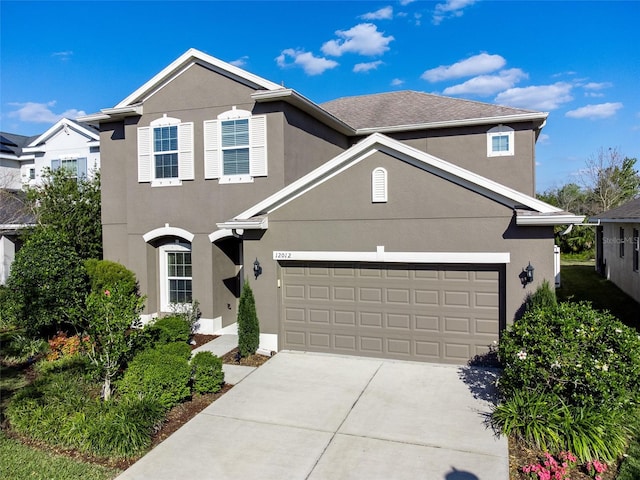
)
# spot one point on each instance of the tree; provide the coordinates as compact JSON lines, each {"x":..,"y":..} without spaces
{"x":112,"y":313}
{"x":47,"y":285}
{"x":248,"y":324}
{"x":70,"y":205}
{"x":611,"y":178}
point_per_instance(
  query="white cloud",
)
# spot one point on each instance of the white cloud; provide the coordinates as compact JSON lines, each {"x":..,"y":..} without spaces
{"x":396,"y":82}
{"x":365,"y":67}
{"x":406,"y":2}
{"x":488,"y":84}
{"x":593,"y":112}
{"x":543,"y":139}
{"x":64,"y":56}
{"x":363,"y":39}
{"x":385,"y":13}
{"x":449,"y":9}
{"x":240,"y":62}
{"x":476,"y":65}
{"x":597,"y":86}
{"x":540,"y":97}
{"x":311,"y":64}
{"x":41,"y":112}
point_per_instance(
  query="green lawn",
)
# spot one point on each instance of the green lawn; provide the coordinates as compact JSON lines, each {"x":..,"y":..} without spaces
{"x":20,"y":462}
{"x":579,"y":281}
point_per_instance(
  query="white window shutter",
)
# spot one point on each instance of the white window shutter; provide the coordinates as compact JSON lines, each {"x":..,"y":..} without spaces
{"x":258,"y":139}
{"x":212,"y":157}
{"x":185,"y":151}
{"x":144,"y":154}
{"x":379,"y":185}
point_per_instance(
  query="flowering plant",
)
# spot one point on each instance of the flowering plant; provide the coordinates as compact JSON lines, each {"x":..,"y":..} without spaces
{"x":552,"y":468}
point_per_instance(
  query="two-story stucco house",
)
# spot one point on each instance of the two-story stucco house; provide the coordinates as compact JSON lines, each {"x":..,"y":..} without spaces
{"x":396,"y":225}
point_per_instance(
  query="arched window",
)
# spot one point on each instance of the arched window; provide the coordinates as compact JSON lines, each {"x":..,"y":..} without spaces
{"x":379,"y":185}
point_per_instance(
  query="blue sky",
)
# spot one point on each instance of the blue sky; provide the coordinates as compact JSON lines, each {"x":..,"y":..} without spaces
{"x":579,"y":61}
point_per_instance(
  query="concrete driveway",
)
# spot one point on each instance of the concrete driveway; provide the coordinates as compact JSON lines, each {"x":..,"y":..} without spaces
{"x":316,"y":416}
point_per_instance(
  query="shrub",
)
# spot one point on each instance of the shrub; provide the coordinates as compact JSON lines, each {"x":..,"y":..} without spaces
{"x":543,"y":297}
{"x":206,"y":373}
{"x":173,"y":328}
{"x":47,"y":284}
{"x":105,"y":274}
{"x":158,"y":376}
{"x":248,"y":324}
{"x":179,"y":349}
{"x":63,"y":346}
{"x":585,"y":357}
{"x":61,"y":409}
{"x":19,"y":348}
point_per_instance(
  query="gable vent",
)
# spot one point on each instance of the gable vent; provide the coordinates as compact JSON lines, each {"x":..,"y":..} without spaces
{"x":379,"y":185}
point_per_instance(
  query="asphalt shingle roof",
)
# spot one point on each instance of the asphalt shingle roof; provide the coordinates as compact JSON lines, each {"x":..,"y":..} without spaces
{"x":409,"y":107}
{"x":628,"y":210}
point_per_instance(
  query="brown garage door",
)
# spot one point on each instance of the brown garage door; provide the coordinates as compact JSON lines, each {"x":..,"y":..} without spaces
{"x":413,"y":312}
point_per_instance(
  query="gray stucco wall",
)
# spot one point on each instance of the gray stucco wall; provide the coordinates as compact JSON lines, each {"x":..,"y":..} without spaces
{"x":620,"y":269}
{"x":424,"y":214}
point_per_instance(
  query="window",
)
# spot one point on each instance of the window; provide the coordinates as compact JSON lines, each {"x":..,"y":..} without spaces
{"x":32,"y":174}
{"x":621,"y":242}
{"x":500,"y":141}
{"x":77,"y":167}
{"x":165,"y":152}
{"x":175,"y":275}
{"x":636,"y":249}
{"x":235,"y":147}
{"x":379,"y":185}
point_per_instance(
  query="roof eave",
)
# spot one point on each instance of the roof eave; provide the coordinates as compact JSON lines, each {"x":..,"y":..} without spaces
{"x":294,"y":98}
{"x":616,"y":220}
{"x":548,"y":220}
{"x":109,"y":114}
{"x":258,"y":224}
{"x":517,"y":118}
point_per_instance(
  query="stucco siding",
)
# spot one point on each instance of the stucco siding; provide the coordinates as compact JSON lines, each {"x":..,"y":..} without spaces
{"x":620,"y":269}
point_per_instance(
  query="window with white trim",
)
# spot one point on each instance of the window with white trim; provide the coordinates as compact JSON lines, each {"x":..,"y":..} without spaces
{"x":165,"y":152}
{"x":379,"y":185}
{"x":235,"y":147}
{"x":500,"y":141}
{"x":176,"y":279}
{"x":75,"y":166}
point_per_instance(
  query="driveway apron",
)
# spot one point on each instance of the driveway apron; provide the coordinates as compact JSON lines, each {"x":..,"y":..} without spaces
{"x":318,"y":416}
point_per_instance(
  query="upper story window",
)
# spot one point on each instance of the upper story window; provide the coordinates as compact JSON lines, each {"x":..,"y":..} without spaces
{"x":165,"y":152}
{"x":235,"y":147}
{"x":76,"y":167}
{"x":500,"y":141}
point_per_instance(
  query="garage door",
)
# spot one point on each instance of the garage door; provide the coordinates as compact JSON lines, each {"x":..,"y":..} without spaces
{"x":413,"y":312}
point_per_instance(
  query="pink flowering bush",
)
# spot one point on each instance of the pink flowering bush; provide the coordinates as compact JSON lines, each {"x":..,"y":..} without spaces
{"x":552,"y":468}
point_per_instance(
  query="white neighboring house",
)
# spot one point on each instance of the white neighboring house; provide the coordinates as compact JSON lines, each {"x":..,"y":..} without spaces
{"x":68,"y":144}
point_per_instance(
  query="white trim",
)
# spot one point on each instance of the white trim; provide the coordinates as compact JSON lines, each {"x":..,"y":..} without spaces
{"x":379,"y":142}
{"x":617,"y":220}
{"x":163,"y":251}
{"x":380,"y":256}
{"x":187,"y":59}
{"x":168,"y":231}
{"x":379,"y":183}
{"x":259,"y":224}
{"x":34,"y":145}
{"x":218,"y":234}
{"x":548,"y":220}
{"x":501,"y":131}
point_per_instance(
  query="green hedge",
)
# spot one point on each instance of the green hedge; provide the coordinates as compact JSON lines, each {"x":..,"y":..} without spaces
{"x":157,"y":375}
{"x":206,"y":373}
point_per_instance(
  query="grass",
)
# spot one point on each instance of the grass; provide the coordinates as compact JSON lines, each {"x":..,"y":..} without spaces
{"x":22,"y":462}
{"x":579,"y":281}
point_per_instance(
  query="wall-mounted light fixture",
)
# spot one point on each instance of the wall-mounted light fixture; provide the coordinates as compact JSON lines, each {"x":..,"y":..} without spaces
{"x":257,"y":269}
{"x":526,"y":276}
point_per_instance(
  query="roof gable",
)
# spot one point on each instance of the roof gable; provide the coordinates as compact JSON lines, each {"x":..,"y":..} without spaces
{"x":63,"y":125}
{"x":184,"y":62}
{"x":379,"y":142}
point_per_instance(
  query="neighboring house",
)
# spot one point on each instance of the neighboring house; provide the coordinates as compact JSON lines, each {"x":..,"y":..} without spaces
{"x":14,"y":218}
{"x":618,"y":246}
{"x":396,"y":225}
{"x":68,"y":144}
